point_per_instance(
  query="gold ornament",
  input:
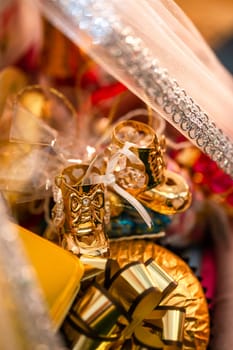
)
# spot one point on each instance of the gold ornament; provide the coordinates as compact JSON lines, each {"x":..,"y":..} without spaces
{"x":81,"y":209}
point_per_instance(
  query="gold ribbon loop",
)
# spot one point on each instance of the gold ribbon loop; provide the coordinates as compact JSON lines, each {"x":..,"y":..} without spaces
{"x":163,"y":329}
{"x":161,"y":279}
{"x":137,"y":285}
{"x":93,"y":318}
{"x":174,"y":318}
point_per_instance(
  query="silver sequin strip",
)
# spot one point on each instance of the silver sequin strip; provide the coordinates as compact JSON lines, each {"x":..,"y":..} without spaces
{"x":98,"y":19}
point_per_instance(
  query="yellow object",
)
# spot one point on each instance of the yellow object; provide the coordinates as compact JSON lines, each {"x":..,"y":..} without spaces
{"x":59,"y":273}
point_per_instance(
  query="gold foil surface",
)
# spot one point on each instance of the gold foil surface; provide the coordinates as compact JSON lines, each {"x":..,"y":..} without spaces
{"x":188,"y":294}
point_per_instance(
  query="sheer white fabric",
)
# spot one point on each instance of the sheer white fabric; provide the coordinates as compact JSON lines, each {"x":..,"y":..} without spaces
{"x":153,"y":48}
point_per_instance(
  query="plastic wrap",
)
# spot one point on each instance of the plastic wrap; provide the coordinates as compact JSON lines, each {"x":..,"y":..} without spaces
{"x":156,"y":52}
{"x":17,"y":27}
{"x":21,"y":298}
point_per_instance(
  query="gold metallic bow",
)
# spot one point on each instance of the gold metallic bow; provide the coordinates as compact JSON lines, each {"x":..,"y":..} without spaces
{"x":126,"y":314}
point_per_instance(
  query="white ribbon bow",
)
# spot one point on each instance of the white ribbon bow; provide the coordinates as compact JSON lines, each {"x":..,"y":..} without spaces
{"x":109,"y":179}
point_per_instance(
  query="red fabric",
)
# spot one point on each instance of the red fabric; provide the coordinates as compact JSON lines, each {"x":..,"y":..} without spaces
{"x":107,"y":92}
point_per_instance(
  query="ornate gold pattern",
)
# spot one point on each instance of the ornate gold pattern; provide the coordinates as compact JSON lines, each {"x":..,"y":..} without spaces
{"x":146,"y":146}
{"x":83,"y":229}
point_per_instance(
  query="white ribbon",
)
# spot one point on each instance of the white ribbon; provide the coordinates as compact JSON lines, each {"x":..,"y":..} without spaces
{"x":109,"y":179}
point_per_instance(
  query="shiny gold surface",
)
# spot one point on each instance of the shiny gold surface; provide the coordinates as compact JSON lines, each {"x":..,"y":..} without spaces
{"x":169,"y":325}
{"x":173,"y":317}
{"x":83,"y":229}
{"x":161,"y":279}
{"x":146,"y":146}
{"x":170,"y":197}
{"x":188,"y":294}
{"x":94,"y":308}
{"x":155,"y":187}
{"x":165,"y":305}
{"x":95,"y":315}
{"x":115,"y":201}
{"x":92,"y":319}
{"x":135,"y":281}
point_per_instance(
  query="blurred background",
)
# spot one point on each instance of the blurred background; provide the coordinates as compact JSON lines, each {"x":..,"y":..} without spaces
{"x":214,"y":19}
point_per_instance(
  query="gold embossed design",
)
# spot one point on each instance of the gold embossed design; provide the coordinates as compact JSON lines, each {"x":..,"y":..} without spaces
{"x":156,"y":162}
{"x":146,"y":146}
{"x":84,"y":207}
